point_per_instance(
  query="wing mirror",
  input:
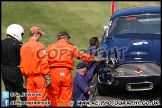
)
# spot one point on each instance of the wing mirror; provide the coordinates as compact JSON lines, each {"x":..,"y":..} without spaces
{"x":105,"y":28}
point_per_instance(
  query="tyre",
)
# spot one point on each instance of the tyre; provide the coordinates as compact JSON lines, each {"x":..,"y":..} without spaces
{"x":103,"y":89}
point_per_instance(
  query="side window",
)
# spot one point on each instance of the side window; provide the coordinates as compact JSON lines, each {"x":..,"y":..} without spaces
{"x":108,"y":33}
{"x":103,"y":37}
{"x":112,"y":25}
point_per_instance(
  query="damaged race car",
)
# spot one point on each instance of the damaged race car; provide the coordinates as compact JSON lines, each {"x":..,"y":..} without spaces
{"x":131,"y":44}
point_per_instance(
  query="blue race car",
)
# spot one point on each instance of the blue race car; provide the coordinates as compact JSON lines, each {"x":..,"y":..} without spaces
{"x":131,"y":44}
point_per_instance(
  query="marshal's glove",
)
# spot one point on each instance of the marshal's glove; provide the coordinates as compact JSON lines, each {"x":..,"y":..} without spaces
{"x":98,"y":58}
{"x":48,"y":80}
{"x":24,"y":81}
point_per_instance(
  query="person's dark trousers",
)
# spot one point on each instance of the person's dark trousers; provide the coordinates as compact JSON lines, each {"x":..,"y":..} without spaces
{"x":13,"y":81}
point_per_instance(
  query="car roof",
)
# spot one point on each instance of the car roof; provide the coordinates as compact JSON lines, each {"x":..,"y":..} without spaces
{"x":137,"y":11}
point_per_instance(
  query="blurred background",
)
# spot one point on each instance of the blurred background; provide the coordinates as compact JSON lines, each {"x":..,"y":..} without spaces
{"x":82,"y":20}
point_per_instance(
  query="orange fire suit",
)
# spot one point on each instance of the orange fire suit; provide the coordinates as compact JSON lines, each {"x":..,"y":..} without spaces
{"x":61,"y":61}
{"x":34,"y":64}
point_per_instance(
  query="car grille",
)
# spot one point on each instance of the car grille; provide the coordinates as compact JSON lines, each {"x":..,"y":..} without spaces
{"x":136,"y":69}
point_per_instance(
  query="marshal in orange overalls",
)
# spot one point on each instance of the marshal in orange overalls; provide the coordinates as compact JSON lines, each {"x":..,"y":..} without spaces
{"x":34,"y":64}
{"x":61,"y":61}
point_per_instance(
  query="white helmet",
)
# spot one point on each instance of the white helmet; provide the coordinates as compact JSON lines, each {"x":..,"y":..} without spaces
{"x":16,"y":31}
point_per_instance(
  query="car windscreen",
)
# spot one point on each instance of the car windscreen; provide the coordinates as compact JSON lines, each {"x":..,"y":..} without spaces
{"x":143,"y":24}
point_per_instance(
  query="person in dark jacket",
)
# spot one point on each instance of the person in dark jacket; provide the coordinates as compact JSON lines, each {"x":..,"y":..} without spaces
{"x":10,"y":61}
{"x":92,"y":50}
{"x":81,"y":89}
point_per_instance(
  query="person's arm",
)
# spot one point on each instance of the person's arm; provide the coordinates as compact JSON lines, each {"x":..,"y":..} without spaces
{"x":19,"y":45}
{"x":22,"y":60}
{"x":82,"y":55}
{"x":83,"y":85}
{"x":21,"y":68}
{"x":42,"y":56}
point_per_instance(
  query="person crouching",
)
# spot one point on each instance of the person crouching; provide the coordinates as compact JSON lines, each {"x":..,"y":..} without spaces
{"x":81,"y":88}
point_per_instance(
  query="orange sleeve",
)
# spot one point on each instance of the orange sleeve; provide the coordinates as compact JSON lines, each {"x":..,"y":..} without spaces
{"x":21,"y":68}
{"x":22,"y":60}
{"x":42,"y":56}
{"x":82,"y":56}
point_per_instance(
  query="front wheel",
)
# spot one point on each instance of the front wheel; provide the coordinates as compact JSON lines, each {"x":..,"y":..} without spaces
{"x":103,"y":89}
